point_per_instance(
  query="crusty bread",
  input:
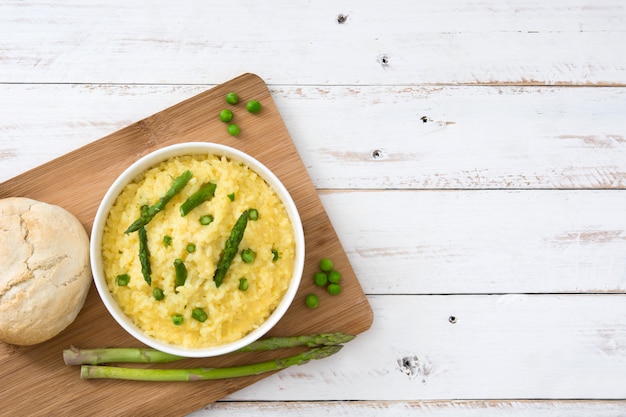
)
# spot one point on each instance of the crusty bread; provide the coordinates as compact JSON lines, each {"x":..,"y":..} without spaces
{"x":44,"y":270}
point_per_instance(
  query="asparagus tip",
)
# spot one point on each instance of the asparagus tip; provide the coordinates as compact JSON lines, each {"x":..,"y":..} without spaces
{"x":321,"y":352}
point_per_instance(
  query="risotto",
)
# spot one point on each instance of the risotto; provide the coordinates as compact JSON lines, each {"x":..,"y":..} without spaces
{"x":250,"y":291}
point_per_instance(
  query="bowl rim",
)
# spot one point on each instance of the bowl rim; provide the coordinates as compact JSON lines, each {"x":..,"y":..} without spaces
{"x":131,"y":173}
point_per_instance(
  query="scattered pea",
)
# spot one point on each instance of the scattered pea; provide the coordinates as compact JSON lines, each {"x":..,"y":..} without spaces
{"x":253,"y":214}
{"x":177,"y":319}
{"x":333,"y":289}
{"x":206,"y":219}
{"x":199,"y":314}
{"x":233,"y":129}
{"x":243,"y":284}
{"x":232,"y":98}
{"x":226,"y":115}
{"x":122,"y":280}
{"x":253,"y":106}
{"x":320,"y":279}
{"x":326,"y":265}
{"x":191,"y":248}
{"x":334,"y":277}
{"x":157,"y":293}
{"x":311,"y":301}
{"x":248,"y":255}
{"x":167,"y":240}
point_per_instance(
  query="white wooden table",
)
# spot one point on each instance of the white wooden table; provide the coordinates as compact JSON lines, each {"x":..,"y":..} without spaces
{"x":471,"y":155}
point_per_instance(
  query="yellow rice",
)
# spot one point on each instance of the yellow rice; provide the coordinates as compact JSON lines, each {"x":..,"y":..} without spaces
{"x":232,"y":313}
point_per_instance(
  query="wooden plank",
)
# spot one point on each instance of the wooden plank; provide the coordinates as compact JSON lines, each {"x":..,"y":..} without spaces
{"x":473,"y":137}
{"x":500,"y":347}
{"x":451,"y":42}
{"x":459,"y":137}
{"x":41,"y":122}
{"x":416,"y":408}
{"x":441,"y":242}
{"x":77,"y":181}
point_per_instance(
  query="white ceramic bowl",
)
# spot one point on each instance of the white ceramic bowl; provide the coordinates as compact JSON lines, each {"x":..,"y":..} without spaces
{"x":130,"y":174}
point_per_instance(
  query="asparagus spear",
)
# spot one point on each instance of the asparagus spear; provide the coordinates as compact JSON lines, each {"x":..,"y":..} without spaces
{"x":75,"y":356}
{"x":312,"y":340}
{"x":181,"y":272}
{"x":199,"y":374}
{"x":230,"y":248}
{"x":177,"y":186}
{"x":144,"y":252}
{"x":205,"y":193}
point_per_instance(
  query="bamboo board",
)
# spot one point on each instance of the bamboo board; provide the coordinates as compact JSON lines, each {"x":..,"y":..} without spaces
{"x":36,"y":381}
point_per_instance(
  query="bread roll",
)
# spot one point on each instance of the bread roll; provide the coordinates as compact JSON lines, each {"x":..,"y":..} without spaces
{"x":44,"y":270}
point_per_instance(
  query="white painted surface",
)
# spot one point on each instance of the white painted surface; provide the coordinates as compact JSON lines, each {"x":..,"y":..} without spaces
{"x":474,"y":137}
{"x":495,"y":241}
{"x":500,"y":347}
{"x":557,"y":42}
{"x":455,"y":408}
{"x":471,"y":156}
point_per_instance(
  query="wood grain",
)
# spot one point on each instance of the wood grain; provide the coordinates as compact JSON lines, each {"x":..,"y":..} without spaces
{"x":483,"y":242}
{"x":488,"y":137}
{"x":510,"y":346}
{"x":482,"y":42}
{"x":456,"y":408}
{"x":78,"y":180}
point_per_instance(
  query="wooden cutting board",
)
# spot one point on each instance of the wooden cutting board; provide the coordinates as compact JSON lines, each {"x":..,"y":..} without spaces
{"x":35,"y":380}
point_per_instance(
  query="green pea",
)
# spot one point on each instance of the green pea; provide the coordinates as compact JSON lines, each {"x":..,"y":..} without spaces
{"x":243,"y":284}
{"x":226,"y":115}
{"x":333,"y":289}
{"x":157,"y":293}
{"x":167,"y":240}
{"x":232,"y":98}
{"x":253,"y":214}
{"x":311,"y":301}
{"x":191,"y":248}
{"x":334,"y":277}
{"x":274,"y":255}
{"x":320,"y":279}
{"x":206,"y":219}
{"x":122,"y":280}
{"x":177,"y":319}
{"x":233,"y":129}
{"x":248,"y":255}
{"x":199,"y":314}
{"x":253,"y":106}
{"x":326,"y":265}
